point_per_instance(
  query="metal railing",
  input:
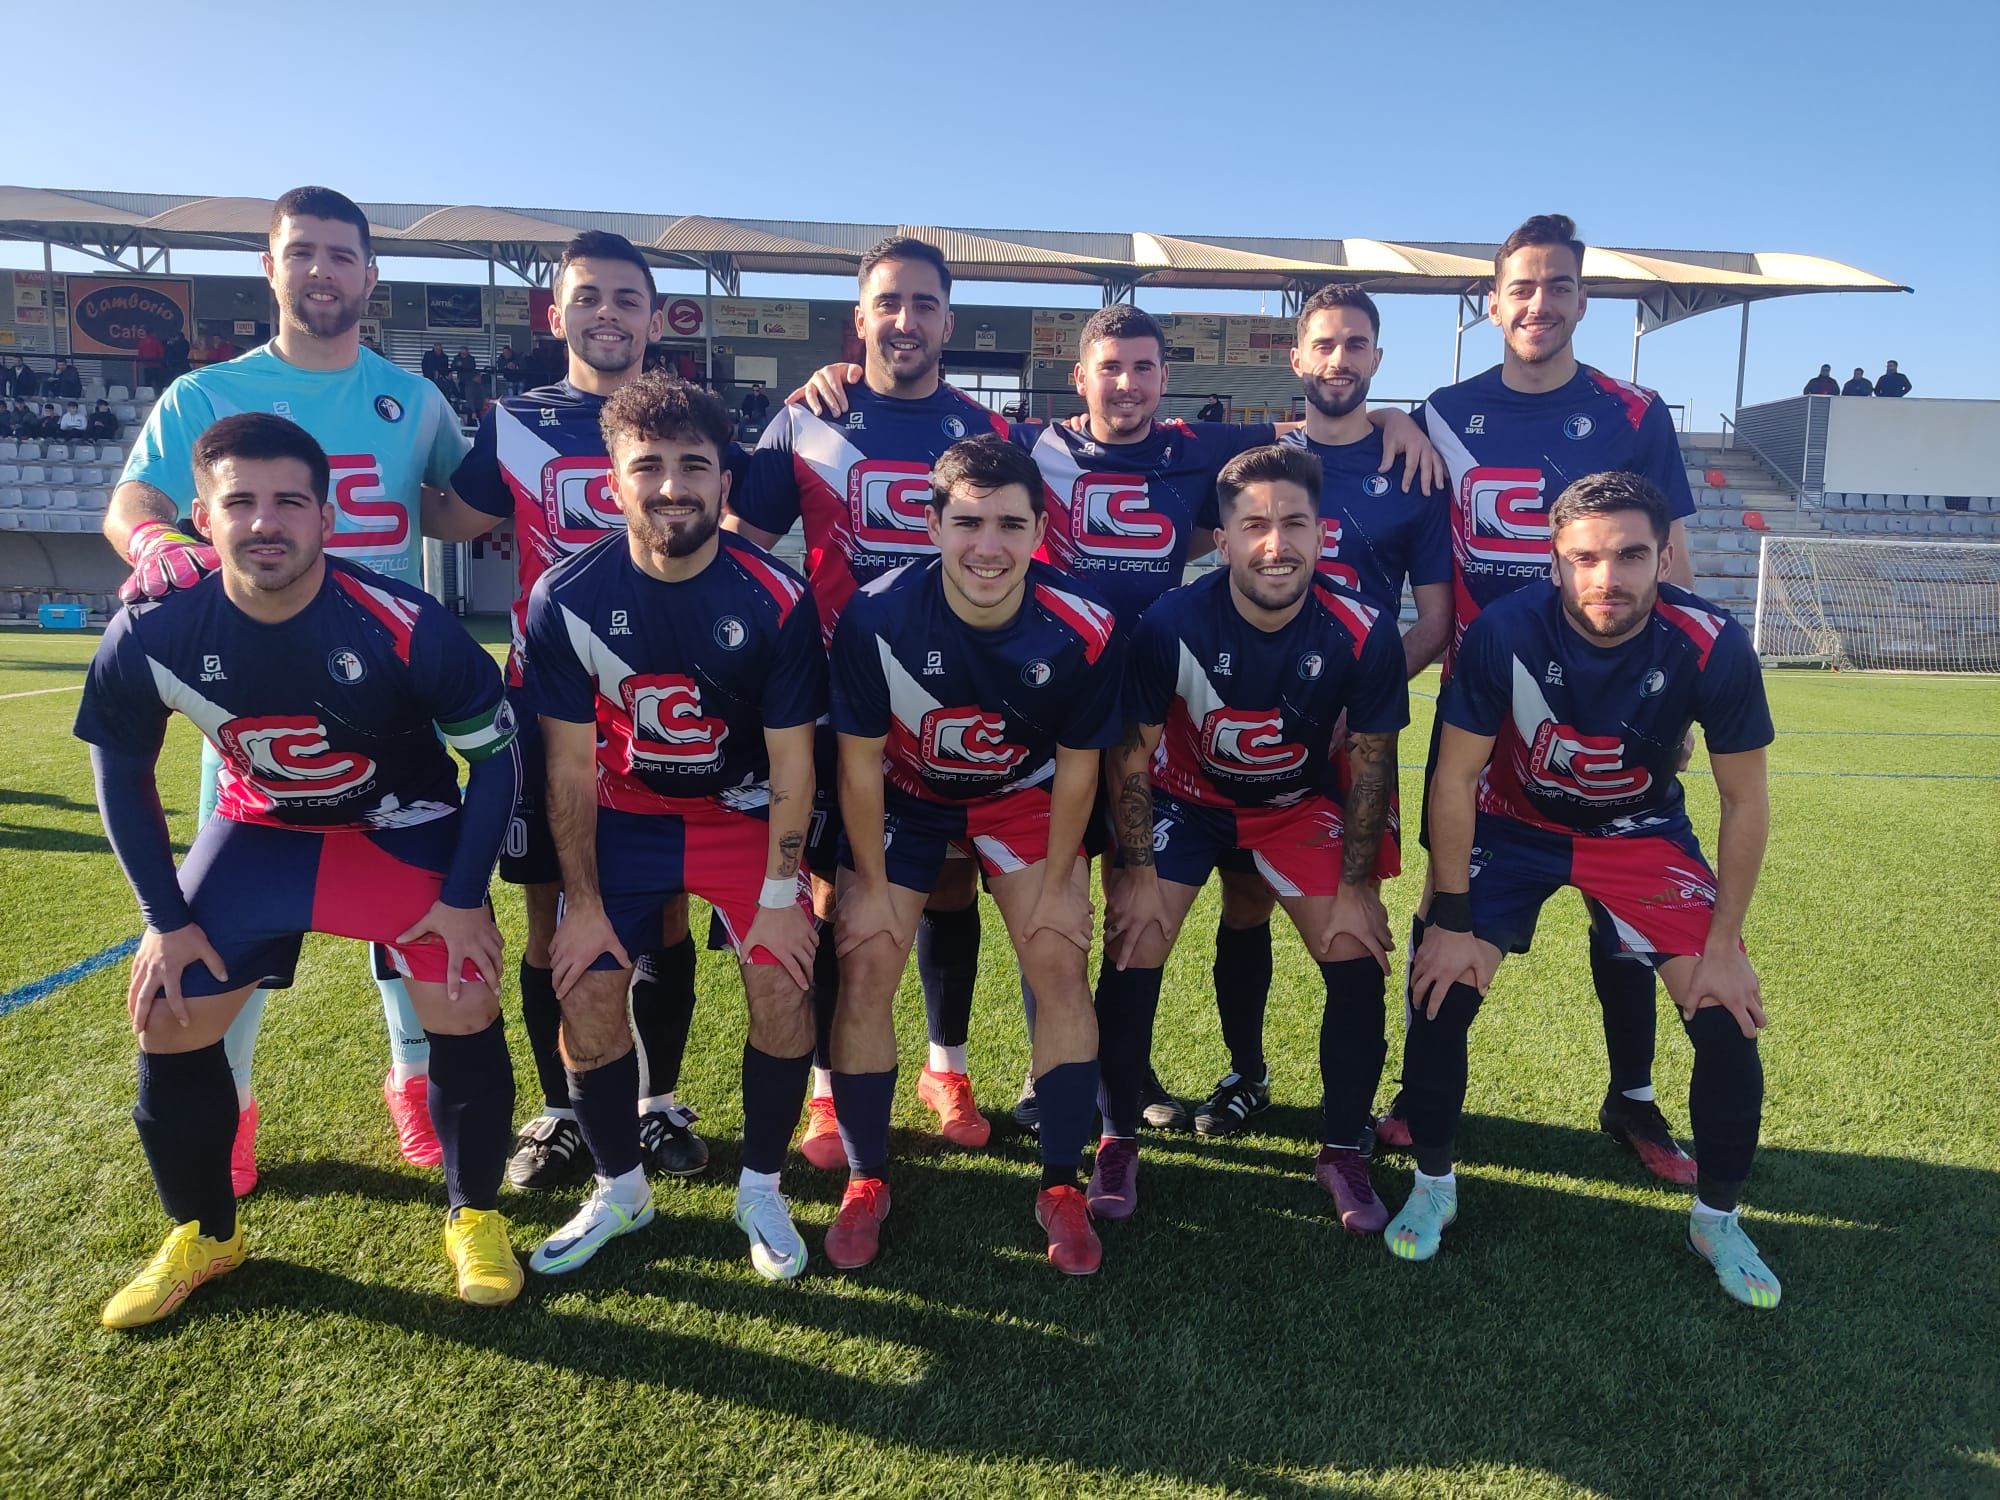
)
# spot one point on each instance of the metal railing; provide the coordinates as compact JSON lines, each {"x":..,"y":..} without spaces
{"x":1045,"y":403}
{"x":1732,"y":436}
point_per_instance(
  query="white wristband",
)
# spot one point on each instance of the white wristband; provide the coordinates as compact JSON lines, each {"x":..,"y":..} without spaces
{"x":779,"y":892}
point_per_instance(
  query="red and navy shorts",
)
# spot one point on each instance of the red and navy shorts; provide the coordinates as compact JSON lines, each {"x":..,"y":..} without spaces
{"x":1004,"y":833}
{"x":1654,"y":891}
{"x":703,"y":848}
{"x":1296,"y":848}
{"x":257,"y":890}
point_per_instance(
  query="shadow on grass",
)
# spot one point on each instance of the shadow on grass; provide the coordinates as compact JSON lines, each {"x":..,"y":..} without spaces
{"x":1238,"y":1338}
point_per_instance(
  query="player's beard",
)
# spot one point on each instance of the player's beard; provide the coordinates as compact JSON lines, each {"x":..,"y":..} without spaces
{"x":1619,"y":624}
{"x":327,"y":321}
{"x":1332,"y":403}
{"x":607,"y":359}
{"x":927,"y":355}
{"x":1274,"y":594}
{"x":1529,"y":354}
{"x":681,"y":538}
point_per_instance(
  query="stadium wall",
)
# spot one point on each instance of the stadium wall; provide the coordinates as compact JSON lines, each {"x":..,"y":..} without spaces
{"x":1911,"y":446}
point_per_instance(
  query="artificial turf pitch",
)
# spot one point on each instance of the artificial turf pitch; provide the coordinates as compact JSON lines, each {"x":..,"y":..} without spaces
{"x":1563,"y":1342}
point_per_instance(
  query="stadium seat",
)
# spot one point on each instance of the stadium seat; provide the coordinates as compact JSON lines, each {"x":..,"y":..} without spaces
{"x":34,"y":474}
{"x":62,"y":499}
{"x":34,"y":499}
{"x":127,"y":412}
{"x":144,"y":394}
{"x":62,"y":474}
{"x":9,"y":474}
{"x":7,"y":448}
{"x":1716,"y":478}
{"x":83,"y":453}
{"x":115,"y":394}
{"x":1754,"y":519}
{"x":28,"y":450}
{"x":55,"y":452}
{"x":111,"y":453}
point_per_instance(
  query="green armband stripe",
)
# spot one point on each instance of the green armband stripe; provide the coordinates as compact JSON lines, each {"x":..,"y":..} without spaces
{"x":477,"y":738}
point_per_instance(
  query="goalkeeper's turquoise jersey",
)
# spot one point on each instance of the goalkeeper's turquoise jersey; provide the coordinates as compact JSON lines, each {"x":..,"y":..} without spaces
{"x":386,"y":433}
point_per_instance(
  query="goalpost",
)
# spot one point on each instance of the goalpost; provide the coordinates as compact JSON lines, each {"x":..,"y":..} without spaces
{"x":1879,"y":605}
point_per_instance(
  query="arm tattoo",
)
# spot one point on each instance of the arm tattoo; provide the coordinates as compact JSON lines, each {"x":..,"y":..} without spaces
{"x":1135,"y":819}
{"x":1370,"y":759}
{"x":790,"y":847}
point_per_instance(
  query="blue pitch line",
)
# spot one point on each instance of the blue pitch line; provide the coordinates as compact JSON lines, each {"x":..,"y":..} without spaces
{"x":1878,"y":775}
{"x":13,"y":1000}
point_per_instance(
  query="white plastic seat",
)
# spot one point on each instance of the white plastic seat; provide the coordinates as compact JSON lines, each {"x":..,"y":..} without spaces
{"x":62,"y":474}
{"x":115,"y":394}
{"x":62,"y":500}
{"x":127,"y":412}
{"x":145,"y":393}
{"x":95,"y":502}
{"x":55,"y":451}
{"x":65,"y":520}
{"x":35,"y":499}
{"x":28,"y":450}
{"x":111,"y":453}
{"x":7,"y":448}
{"x":83,"y":453}
{"x":34,"y":474}
{"x":9,"y":474}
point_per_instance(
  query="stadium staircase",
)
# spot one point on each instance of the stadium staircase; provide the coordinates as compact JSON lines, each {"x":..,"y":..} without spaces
{"x":1737,"y":499}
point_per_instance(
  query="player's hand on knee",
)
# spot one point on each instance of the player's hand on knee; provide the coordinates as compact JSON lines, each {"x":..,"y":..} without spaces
{"x":786,"y":933}
{"x":156,"y":972}
{"x":1132,"y":904}
{"x":1443,"y":960}
{"x":468,"y":934}
{"x":164,"y":558}
{"x":1063,"y":910}
{"x":1358,"y":913}
{"x":583,"y":934}
{"x":862,"y":912}
{"x":1724,"y":977}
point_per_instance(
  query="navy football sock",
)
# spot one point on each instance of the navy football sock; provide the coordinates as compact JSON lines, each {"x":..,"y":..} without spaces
{"x":606,"y":1101}
{"x":774,"y":1091}
{"x":472,"y":1109}
{"x":1351,"y":1047}
{"x":1625,"y":991}
{"x":1242,"y":976}
{"x":1434,"y":1069}
{"x":948,"y":968}
{"x":861,"y":1102}
{"x":186,"y":1114}
{"x":1725,"y":1103}
{"x":541,"y":1018}
{"x":1127,"y":1002}
{"x":825,"y":996}
{"x":663,"y":1002}
{"x":1067,"y":1094}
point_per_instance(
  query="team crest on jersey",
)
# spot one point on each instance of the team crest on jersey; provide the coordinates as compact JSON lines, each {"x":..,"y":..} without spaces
{"x":1654,"y":684}
{"x":1375,"y":486}
{"x":366,"y":523}
{"x":1243,"y":742}
{"x":669,"y":730}
{"x":346,"y":666}
{"x":886,"y":502}
{"x":954,"y":427}
{"x":1037,"y":673}
{"x":1311,"y":665}
{"x":730,"y":633}
{"x":1110,"y":516}
{"x":388,"y":408}
{"x":1578,"y":427}
{"x":577,"y":500}
{"x":1504,"y":516}
{"x":287,"y":755}
{"x":967,"y":742}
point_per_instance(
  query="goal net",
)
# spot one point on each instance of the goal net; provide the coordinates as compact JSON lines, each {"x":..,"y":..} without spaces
{"x":1879,"y":605}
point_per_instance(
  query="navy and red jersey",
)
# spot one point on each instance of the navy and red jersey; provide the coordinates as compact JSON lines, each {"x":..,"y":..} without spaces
{"x":328,"y":720}
{"x":968,"y":713}
{"x":1376,"y":537}
{"x":1511,"y":453}
{"x":860,"y":483}
{"x":1122,"y":516}
{"x":681,"y":679}
{"x":1250,"y":714}
{"x":539,"y":458}
{"x":1588,"y":737}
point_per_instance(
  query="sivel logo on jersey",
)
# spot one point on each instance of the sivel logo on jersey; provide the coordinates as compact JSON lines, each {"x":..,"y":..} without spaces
{"x":1244,"y":742}
{"x":668,"y":729}
{"x":365,"y":524}
{"x":1110,"y":517}
{"x":1589,"y":766}
{"x":1330,"y":565}
{"x":886,"y":500}
{"x":287,"y":756}
{"x":577,"y":500}
{"x":1502,"y":515}
{"x":967,"y":742}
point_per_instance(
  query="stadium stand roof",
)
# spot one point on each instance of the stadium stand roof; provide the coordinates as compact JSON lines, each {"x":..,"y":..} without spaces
{"x":135,"y":230}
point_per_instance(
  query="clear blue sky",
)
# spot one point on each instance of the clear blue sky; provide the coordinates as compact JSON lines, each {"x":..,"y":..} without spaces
{"x":1869,"y":134}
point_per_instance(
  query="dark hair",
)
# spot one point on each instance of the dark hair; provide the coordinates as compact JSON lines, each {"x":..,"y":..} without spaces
{"x":600,"y":244}
{"x":1274,"y":461}
{"x":658,"y":407}
{"x":1613,"y":490}
{"x":323,"y":203}
{"x":989,"y":462}
{"x":260,"y":435}
{"x":1328,"y":297}
{"x":1542,"y":229}
{"x":1121,"y":320}
{"x":904,"y":247}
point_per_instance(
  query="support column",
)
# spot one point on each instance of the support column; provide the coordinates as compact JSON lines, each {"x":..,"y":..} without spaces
{"x":1742,"y":357}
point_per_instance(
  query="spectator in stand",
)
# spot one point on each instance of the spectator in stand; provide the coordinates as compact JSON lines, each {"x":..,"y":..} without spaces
{"x":478,"y":391}
{"x":684,"y":366}
{"x":9,"y":424}
{"x":73,"y":419}
{"x":150,"y":355}
{"x":1216,"y":410}
{"x":175,"y":358}
{"x":102,"y":423}
{"x":508,"y":376}
{"x":462,"y":367}
{"x":1823,"y":384}
{"x":1859,"y":385}
{"x":436,"y":362}
{"x":22,"y":381}
{"x":50,"y":423}
{"x":64,"y":381}
{"x":756,"y":405}
{"x":1893,"y":382}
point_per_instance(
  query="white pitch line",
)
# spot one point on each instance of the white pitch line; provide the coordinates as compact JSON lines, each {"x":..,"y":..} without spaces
{"x":74,"y":687}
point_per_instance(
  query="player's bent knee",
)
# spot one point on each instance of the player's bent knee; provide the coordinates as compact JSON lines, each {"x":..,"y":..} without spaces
{"x":1054,"y":967}
{"x":781,"y":1020}
{"x":476,"y":1008}
{"x":1461,"y":1005}
{"x":209,"y":1017}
